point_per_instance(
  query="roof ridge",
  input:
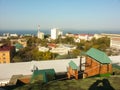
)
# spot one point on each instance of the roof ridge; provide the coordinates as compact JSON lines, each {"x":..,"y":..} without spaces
{"x":98,"y":55}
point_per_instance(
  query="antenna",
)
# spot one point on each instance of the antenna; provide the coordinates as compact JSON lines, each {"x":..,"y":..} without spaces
{"x":38,"y":27}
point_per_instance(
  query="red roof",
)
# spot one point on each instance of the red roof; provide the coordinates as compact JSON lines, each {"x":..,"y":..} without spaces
{"x":86,"y":34}
{"x":52,"y":45}
{"x":116,"y":39}
{"x":76,"y":35}
{"x":6,"y":48}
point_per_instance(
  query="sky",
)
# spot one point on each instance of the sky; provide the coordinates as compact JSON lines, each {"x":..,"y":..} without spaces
{"x":64,"y":14}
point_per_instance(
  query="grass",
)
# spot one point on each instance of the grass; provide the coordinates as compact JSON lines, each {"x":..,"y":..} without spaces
{"x":94,"y":83}
{"x":108,"y":83}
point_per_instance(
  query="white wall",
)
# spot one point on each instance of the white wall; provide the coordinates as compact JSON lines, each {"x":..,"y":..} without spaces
{"x":25,"y":68}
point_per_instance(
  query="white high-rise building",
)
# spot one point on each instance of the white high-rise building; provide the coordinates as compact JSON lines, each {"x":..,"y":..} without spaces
{"x":55,"y":33}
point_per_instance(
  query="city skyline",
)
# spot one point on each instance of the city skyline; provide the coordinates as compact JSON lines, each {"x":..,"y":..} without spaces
{"x":64,"y":14}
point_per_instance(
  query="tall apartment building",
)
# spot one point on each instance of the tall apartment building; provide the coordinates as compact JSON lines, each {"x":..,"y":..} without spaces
{"x":40,"y":35}
{"x":6,"y":53}
{"x":55,"y":33}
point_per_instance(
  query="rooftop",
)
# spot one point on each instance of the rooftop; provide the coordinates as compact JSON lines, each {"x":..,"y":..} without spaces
{"x":6,"y":48}
{"x":98,"y":55}
{"x":73,"y":65}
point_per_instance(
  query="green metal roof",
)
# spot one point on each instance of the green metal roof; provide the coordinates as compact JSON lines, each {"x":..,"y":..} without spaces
{"x":73,"y":65}
{"x":44,"y":74}
{"x":18,"y":46}
{"x":98,"y":55}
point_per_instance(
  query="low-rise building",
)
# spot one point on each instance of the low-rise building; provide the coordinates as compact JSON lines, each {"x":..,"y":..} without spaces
{"x":60,"y":50}
{"x":110,"y":35}
{"x":52,"y":45}
{"x":115,"y":42}
{"x":77,"y":40}
{"x":3,"y":37}
{"x":13,"y":35}
{"x":69,"y":35}
{"x":63,"y":49}
{"x":18,"y":46}
{"x":21,"y":41}
{"x":86,"y":36}
{"x":97,"y":36}
{"x":6,"y":53}
{"x":78,"y":37}
{"x":43,"y":49}
{"x":97,"y":63}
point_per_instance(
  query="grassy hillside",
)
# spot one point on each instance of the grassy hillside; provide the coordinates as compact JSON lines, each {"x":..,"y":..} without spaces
{"x":94,"y":83}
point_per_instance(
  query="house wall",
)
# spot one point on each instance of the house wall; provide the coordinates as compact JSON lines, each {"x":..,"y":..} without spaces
{"x":115,"y":42}
{"x":72,"y":72}
{"x":7,"y":55}
{"x":4,"y":56}
{"x":92,"y":68}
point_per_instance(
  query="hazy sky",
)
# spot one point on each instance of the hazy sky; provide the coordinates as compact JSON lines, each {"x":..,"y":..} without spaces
{"x":65,"y":14}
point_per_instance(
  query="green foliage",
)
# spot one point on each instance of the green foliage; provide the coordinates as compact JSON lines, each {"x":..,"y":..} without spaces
{"x":101,"y":44}
{"x":76,"y":52}
{"x":16,"y":59}
{"x":33,"y":41}
{"x":67,"y":40}
{"x":5,"y":41}
{"x":32,"y":53}
{"x":32,"y":86}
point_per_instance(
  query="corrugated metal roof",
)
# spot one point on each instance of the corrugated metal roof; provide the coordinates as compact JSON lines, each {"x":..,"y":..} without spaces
{"x":73,"y":65}
{"x":18,"y":46}
{"x":98,"y":55}
{"x":45,"y":73}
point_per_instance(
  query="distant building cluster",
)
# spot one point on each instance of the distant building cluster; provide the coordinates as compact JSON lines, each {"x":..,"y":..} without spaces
{"x":18,"y":42}
{"x":61,"y":49}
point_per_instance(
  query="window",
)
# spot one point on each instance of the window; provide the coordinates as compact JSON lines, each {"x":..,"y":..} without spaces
{"x":4,"y":58}
{"x":4,"y":61}
{"x":3,"y":54}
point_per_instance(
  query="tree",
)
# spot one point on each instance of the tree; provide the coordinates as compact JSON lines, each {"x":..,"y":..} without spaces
{"x":16,"y":59}
{"x":76,"y":52}
{"x":47,"y":55}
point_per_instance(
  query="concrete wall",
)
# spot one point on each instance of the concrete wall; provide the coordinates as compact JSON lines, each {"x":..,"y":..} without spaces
{"x":25,"y":68}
